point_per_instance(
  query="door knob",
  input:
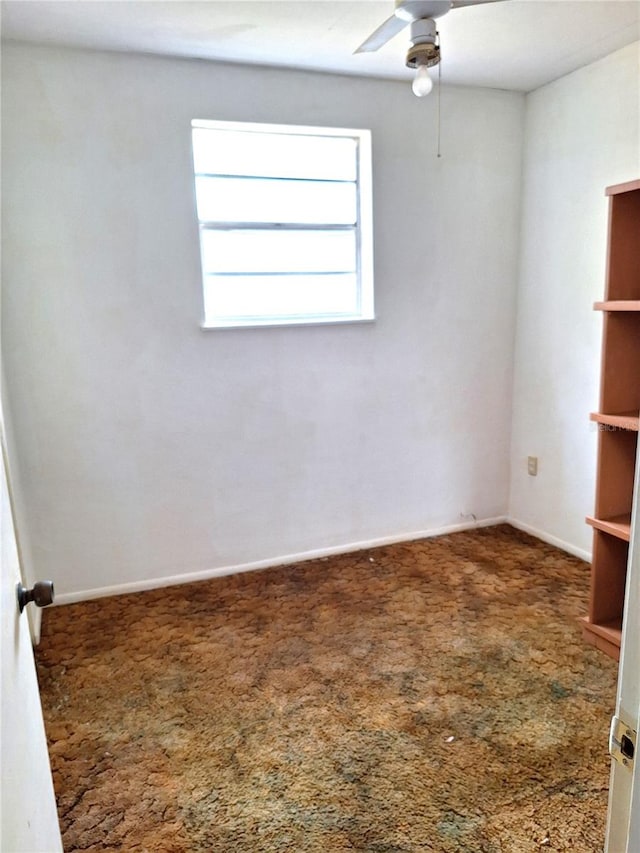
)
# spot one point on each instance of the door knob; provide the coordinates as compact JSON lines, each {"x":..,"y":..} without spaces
{"x":42,"y":594}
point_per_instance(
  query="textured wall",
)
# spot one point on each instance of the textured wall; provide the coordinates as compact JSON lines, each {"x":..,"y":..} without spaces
{"x":150,"y":448}
{"x":581,"y":135}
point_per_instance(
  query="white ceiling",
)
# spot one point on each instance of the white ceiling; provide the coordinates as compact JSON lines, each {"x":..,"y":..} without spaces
{"x":515,"y":44}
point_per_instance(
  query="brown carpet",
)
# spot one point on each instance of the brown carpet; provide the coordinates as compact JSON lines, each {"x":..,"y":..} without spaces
{"x":429,"y":696}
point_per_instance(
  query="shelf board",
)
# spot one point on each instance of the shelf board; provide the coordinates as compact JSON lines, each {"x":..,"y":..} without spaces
{"x":624,"y":420}
{"x":628,"y":186}
{"x":606,"y":636}
{"x":618,"y":525}
{"x":617,"y":305}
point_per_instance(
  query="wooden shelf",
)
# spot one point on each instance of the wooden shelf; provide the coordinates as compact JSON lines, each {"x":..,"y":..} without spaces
{"x":607,"y":637}
{"x":618,"y":526}
{"x":617,"y":305}
{"x":627,"y":186}
{"x":624,"y":420}
{"x":618,"y":419}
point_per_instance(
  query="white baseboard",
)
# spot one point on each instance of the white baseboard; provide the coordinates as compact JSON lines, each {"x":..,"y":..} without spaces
{"x":207,"y":574}
{"x":550,"y":540}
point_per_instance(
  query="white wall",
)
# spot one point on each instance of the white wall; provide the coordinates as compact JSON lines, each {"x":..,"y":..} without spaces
{"x":581,"y":135}
{"x":151,"y":449}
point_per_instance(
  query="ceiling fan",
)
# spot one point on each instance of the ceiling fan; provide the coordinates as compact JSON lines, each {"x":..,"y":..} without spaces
{"x":424,"y":52}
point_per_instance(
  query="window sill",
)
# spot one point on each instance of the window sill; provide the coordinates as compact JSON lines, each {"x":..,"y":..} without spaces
{"x":284,"y":323}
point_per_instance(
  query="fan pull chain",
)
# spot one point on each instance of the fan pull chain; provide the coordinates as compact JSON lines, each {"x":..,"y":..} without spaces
{"x":439,"y":90}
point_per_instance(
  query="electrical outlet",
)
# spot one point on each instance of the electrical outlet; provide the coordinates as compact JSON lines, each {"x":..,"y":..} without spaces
{"x":532,"y":465}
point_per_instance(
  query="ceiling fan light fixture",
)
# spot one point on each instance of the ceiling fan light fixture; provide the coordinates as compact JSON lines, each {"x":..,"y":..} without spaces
{"x":423,"y":54}
{"x":422,"y":57}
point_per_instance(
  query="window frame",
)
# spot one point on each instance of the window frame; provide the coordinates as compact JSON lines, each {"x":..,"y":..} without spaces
{"x":362,"y":228}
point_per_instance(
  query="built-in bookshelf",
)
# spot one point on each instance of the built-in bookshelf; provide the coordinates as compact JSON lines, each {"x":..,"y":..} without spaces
{"x":617,"y":419}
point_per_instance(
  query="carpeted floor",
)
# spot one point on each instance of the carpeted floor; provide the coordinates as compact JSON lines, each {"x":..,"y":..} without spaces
{"x":428,"y":696}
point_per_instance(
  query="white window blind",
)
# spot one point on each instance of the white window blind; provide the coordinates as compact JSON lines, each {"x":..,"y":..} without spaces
{"x":285,"y":223}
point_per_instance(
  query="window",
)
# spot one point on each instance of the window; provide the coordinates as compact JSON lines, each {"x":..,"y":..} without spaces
{"x":285,"y":223}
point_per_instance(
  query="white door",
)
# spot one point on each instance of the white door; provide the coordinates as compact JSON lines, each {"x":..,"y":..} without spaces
{"x":623,"y":829}
{"x":27,"y":802}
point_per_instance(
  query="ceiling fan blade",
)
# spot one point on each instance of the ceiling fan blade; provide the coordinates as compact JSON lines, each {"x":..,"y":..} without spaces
{"x":458,"y":4}
{"x":391,"y":27}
